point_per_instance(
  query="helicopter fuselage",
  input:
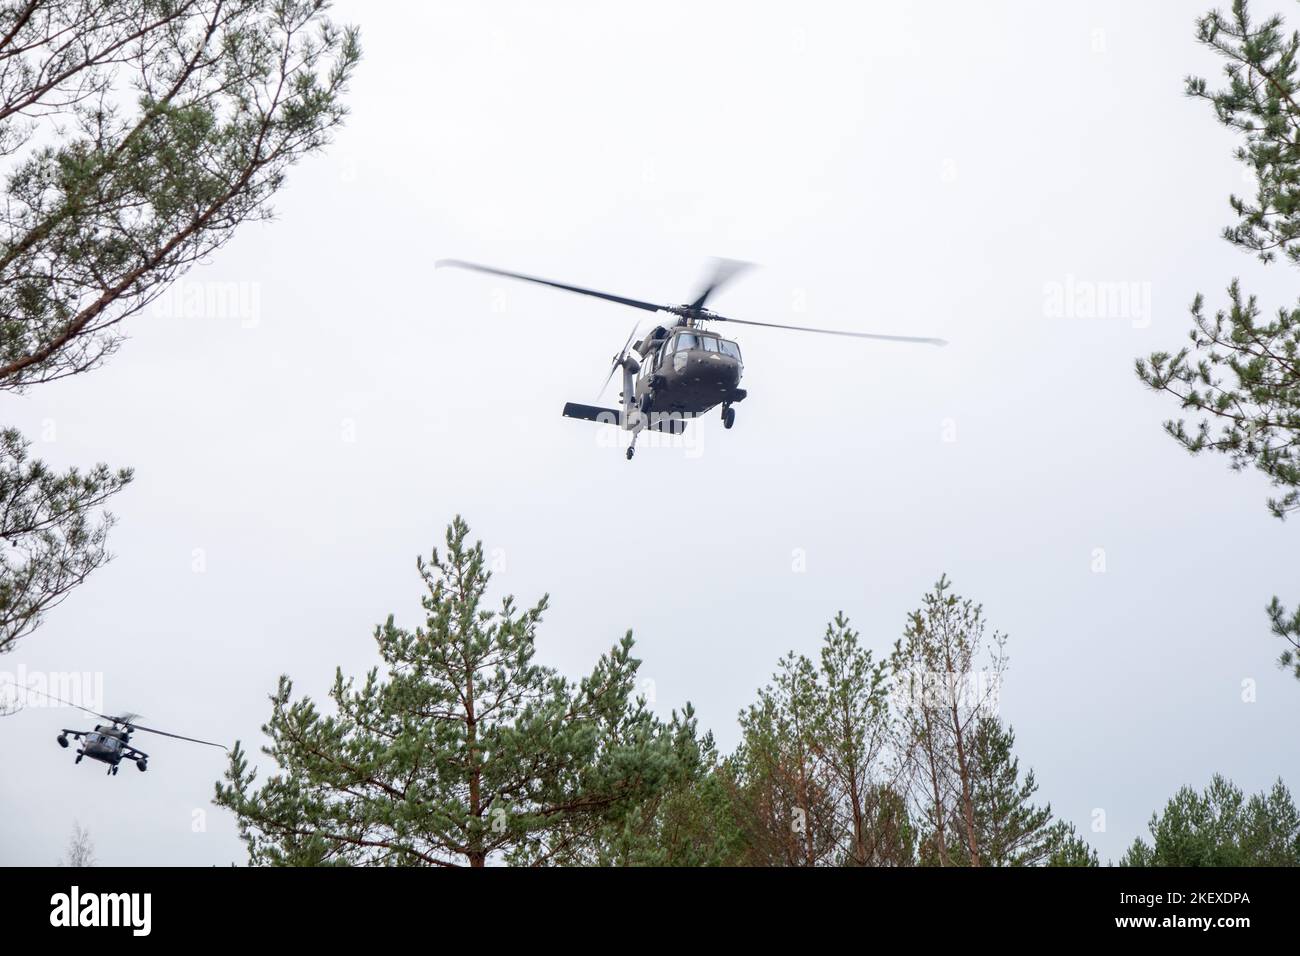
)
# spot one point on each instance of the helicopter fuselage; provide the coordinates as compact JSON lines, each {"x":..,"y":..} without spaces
{"x":688,"y":372}
{"x":106,"y":744}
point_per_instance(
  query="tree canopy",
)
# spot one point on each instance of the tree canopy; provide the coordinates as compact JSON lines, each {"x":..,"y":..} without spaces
{"x":465,"y":750}
{"x":138,"y":135}
{"x":1240,"y":376}
{"x":1221,"y":827}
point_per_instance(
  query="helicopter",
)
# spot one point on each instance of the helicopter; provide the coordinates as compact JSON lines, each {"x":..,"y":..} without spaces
{"x":111,"y":743}
{"x":680,"y":369}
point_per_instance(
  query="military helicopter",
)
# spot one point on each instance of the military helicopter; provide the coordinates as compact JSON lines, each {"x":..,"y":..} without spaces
{"x":684,"y":369}
{"x":111,"y":743}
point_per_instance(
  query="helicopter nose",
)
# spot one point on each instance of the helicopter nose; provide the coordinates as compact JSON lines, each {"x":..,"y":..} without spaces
{"x":710,"y":368}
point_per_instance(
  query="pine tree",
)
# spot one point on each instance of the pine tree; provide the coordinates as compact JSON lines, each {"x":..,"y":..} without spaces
{"x":850,"y":730}
{"x":941,"y":690}
{"x":692,"y":821}
{"x":466,"y":751}
{"x":811,"y":763}
{"x":1220,"y":827}
{"x":956,"y":759}
{"x":1011,"y":830}
{"x":139,"y":135}
{"x":1241,"y":375}
{"x":1068,"y":848}
{"x":788,"y":808}
{"x":53,"y":533}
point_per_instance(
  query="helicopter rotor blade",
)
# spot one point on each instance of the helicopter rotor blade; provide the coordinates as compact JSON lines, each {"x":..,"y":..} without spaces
{"x":476,"y":267}
{"x":724,"y":270}
{"x":125,"y":719}
{"x":49,"y":696}
{"x":163,"y":733}
{"x":618,"y":359}
{"x":608,"y":378}
{"x":857,"y":335}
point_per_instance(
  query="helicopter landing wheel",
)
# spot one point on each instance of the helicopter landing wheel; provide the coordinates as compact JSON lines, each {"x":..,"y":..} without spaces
{"x":112,"y":771}
{"x":142,"y":765}
{"x":728,"y":416}
{"x":630,"y":452}
{"x":79,"y":756}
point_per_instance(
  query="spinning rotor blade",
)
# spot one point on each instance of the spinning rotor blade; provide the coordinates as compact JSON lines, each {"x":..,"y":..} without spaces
{"x":856,"y":335}
{"x":461,"y":264}
{"x":124,"y":719}
{"x":618,"y":359}
{"x":163,"y":733}
{"x":47,"y":696}
{"x":724,"y":270}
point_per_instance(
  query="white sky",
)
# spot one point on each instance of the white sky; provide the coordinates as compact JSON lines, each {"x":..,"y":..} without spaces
{"x":926,"y":168}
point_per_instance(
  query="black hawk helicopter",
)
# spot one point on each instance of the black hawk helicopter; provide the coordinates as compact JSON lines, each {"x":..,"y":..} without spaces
{"x":684,"y":370}
{"x":111,"y":743}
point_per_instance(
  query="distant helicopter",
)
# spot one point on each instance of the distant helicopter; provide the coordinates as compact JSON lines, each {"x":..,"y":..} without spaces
{"x":111,"y":743}
{"x":684,"y":370}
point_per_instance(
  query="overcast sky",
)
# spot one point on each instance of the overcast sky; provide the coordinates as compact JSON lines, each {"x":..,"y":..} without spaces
{"x":315,"y":404}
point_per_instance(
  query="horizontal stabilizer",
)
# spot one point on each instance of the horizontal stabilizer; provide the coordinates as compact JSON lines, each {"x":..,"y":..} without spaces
{"x":591,"y":413}
{"x":673,"y":424}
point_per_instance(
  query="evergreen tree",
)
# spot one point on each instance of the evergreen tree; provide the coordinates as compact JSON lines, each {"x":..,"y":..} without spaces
{"x":1068,"y":848}
{"x":139,"y":135}
{"x":1220,"y":827}
{"x":466,"y":751}
{"x":850,"y":729}
{"x":693,"y":821}
{"x":1011,"y":830}
{"x":810,"y":768}
{"x":788,"y":809}
{"x":955,"y":758}
{"x":942,"y":690}
{"x":1240,"y":376}
{"x":52,"y":533}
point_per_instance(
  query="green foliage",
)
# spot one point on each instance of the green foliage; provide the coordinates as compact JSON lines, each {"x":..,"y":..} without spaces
{"x":1240,"y":376}
{"x":1243,"y":377}
{"x":693,"y":821}
{"x":1220,"y":827}
{"x":787,"y":805}
{"x":1260,"y":103}
{"x":465,"y":751}
{"x":1286,"y":626}
{"x":49,"y":541}
{"x":828,"y":773}
{"x":1010,"y":829}
{"x":1067,"y":848}
{"x":139,"y":134}
{"x":143,"y":132}
{"x":809,"y":770}
{"x":943,"y":689}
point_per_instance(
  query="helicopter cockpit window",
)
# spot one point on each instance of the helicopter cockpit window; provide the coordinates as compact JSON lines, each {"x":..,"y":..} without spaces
{"x":708,"y":343}
{"x":92,"y":738}
{"x":732,"y":349}
{"x":684,"y":341}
